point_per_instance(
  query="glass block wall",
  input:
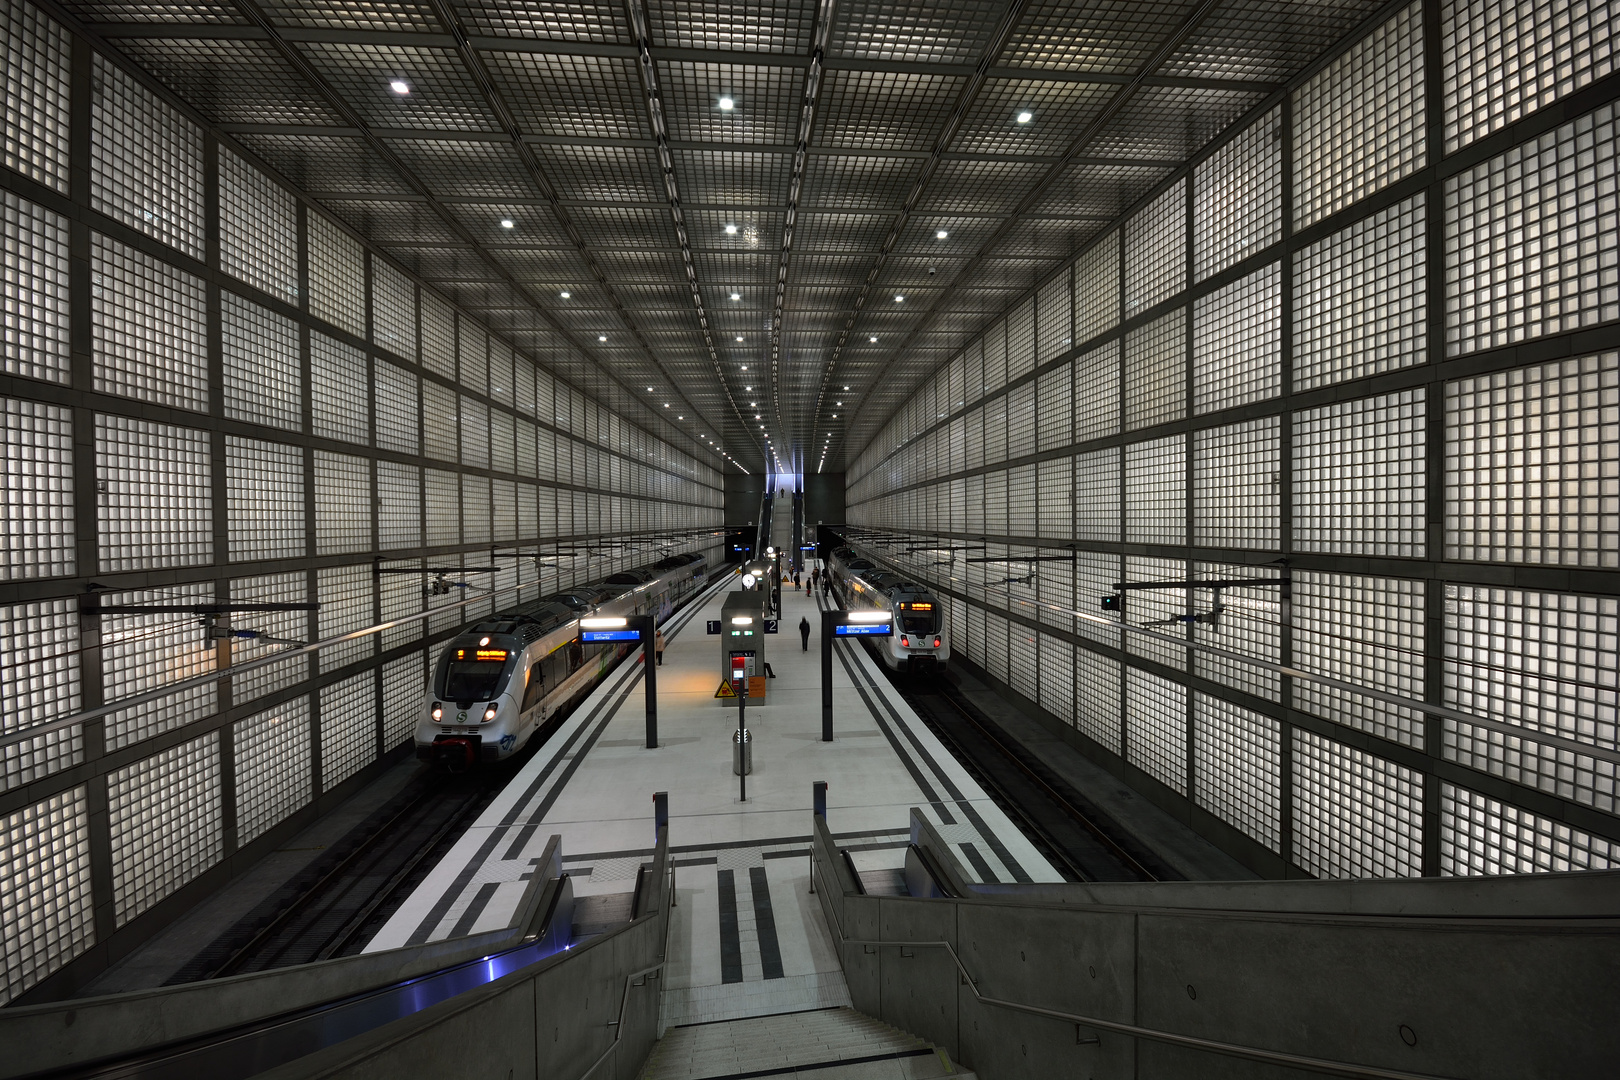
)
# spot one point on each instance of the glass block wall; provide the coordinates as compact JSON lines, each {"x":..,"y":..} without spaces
{"x":213,"y":393}
{"x":1370,"y":342}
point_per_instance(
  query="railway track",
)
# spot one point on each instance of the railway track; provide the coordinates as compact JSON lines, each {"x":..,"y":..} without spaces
{"x":1081,"y":841}
{"x":335,"y":905}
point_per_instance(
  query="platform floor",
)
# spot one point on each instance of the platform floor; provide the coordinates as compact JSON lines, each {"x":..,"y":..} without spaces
{"x":747,"y":939}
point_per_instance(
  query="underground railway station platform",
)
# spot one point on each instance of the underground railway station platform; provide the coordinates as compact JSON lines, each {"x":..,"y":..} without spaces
{"x":747,"y":937}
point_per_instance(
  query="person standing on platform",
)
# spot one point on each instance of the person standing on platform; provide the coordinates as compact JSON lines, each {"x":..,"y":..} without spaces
{"x":658,"y":646}
{"x":804,"y":634}
{"x":795,"y":581}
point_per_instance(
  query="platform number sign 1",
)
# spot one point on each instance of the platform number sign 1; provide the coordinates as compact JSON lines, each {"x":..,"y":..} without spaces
{"x":714,"y":625}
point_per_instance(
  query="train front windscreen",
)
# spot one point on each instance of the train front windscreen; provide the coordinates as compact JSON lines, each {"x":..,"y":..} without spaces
{"x":920,"y":616}
{"x":473,"y":674}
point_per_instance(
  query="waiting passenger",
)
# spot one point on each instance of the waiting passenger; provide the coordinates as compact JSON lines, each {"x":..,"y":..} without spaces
{"x":804,"y":634}
{"x":658,"y":647}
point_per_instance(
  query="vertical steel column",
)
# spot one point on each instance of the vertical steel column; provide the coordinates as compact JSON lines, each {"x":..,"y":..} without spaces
{"x":646,"y":626}
{"x":829,"y":619}
{"x":742,"y":739}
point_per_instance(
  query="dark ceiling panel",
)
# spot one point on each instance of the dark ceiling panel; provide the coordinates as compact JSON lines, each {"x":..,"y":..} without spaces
{"x":328,"y":163}
{"x":588,"y":97}
{"x":915,"y":32}
{"x":232,"y":82}
{"x":860,"y":110}
{"x":757,"y":26}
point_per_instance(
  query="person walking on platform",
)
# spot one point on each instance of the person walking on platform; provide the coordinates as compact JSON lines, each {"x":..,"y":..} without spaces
{"x":804,"y":634}
{"x":795,"y":581}
{"x":658,"y":646}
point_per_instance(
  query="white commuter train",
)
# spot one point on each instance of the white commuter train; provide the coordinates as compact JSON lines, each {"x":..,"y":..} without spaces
{"x":513,"y":674}
{"x":920,"y":641}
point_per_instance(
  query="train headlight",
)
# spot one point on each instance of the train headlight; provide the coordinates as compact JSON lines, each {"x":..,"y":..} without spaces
{"x":936,"y":643}
{"x":905,"y":642}
{"x":489,"y":713}
{"x":438,"y":711}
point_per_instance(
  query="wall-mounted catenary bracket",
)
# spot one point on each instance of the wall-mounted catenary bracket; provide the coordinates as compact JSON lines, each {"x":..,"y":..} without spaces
{"x":441,"y":583}
{"x":215,"y":618}
{"x":1114,"y":603}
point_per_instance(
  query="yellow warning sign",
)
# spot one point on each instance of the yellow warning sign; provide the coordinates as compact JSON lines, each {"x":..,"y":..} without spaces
{"x":725,"y":690}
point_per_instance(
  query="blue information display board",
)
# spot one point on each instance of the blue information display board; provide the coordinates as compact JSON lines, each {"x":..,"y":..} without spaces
{"x":589,"y":636}
{"x":864,"y":630}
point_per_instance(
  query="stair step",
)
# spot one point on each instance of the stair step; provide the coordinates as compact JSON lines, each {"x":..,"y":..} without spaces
{"x":826,"y":1044}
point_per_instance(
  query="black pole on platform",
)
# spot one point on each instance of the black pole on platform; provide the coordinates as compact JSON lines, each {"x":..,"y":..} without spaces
{"x":647,"y":627}
{"x":818,"y":807}
{"x":829,"y":619}
{"x":742,"y":737}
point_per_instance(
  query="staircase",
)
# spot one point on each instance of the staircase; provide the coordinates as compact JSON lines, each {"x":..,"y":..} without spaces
{"x":827,"y":1044}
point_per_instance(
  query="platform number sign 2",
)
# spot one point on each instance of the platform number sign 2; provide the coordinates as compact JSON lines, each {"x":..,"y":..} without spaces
{"x":770,"y":626}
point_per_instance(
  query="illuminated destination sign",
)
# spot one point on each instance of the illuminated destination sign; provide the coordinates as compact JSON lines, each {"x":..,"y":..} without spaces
{"x":864,"y":629}
{"x":609,"y":635}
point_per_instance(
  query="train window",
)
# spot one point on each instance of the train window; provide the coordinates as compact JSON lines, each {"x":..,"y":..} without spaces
{"x":919,"y":622}
{"x":537,"y":686}
{"x":473,"y":680}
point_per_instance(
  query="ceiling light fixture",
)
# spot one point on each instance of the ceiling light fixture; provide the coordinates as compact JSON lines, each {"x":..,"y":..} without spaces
{"x":873,"y":339}
{"x":745,"y":367}
{"x":565,"y":294}
{"x":1025,"y":117}
{"x":941,"y":234}
{"x":899,"y":299}
{"x":736,"y":296}
{"x":731,"y":230}
{"x":400,"y":86}
{"x":601,"y":337}
{"x":507,"y":223}
{"x":727,"y":104}
{"x":739,"y":337}
{"x":846,"y":388}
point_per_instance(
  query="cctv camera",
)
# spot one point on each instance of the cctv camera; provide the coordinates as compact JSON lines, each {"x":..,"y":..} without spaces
{"x":932,"y":271}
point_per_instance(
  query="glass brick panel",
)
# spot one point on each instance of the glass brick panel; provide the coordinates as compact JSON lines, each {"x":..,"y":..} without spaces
{"x":346,"y":596}
{"x":1504,"y":60}
{"x":474,"y":433}
{"x":1237,"y":197}
{"x":475,"y":518}
{"x":502,"y":434}
{"x":1542,"y":661}
{"x":1237,"y":342}
{"x":1359,"y":122}
{"x":155,"y":500}
{"x":1249,"y":623}
{"x":1481,"y":836}
{"x":438,"y":335}
{"x":439,"y":427}
{"x":34,"y":131}
{"x":263,"y":380}
{"x":1156,"y":371}
{"x":342,"y":503}
{"x":1055,"y":678}
{"x":1237,"y":484}
{"x":348,"y":728}
{"x":1156,"y":727}
{"x":1533,"y":465}
{"x":1156,"y":491}
{"x":1097,"y":706}
{"x":338,"y":391}
{"x":33,"y":288}
{"x":1096,"y":393}
{"x":1156,"y":250}
{"x":1355,"y":815}
{"x":165,"y":819}
{"x":45,"y":878}
{"x":1023,"y":663}
{"x":1363,"y":630}
{"x":141,"y":652}
{"x":39,"y":682}
{"x":1053,"y":315}
{"x":149,"y":327}
{"x":272,"y":767}
{"x":1055,"y":480}
{"x":337,"y":276}
{"x":398,"y":425}
{"x":1529,"y":239}
{"x":404,"y":681}
{"x":1021,"y":425}
{"x":145,"y":161}
{"x":258,"y":229}
{"x":399,"y":505}
{"x":1096,"y":289}
{"x":264,"y":484}
{"x":281,"y":630}
{"x":1359,"y":298}
{"x":1237,"y":767}
{"x":38,"y":479}
{"x":1159,"y":609}
{"x":1055,"y":399}
{"x":1359,"y":477}
{"x":393,"y":307}
{"x":472,"y":357}
{"x":1098,"y":507}
{"x":442,"y":502}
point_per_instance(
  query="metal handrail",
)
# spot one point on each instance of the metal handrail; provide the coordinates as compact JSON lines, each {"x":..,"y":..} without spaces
{"x":1602,"y":753}
{"x":74,"y":719}
{"x":629,"y":980}
{"x":1194,"y":1042}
